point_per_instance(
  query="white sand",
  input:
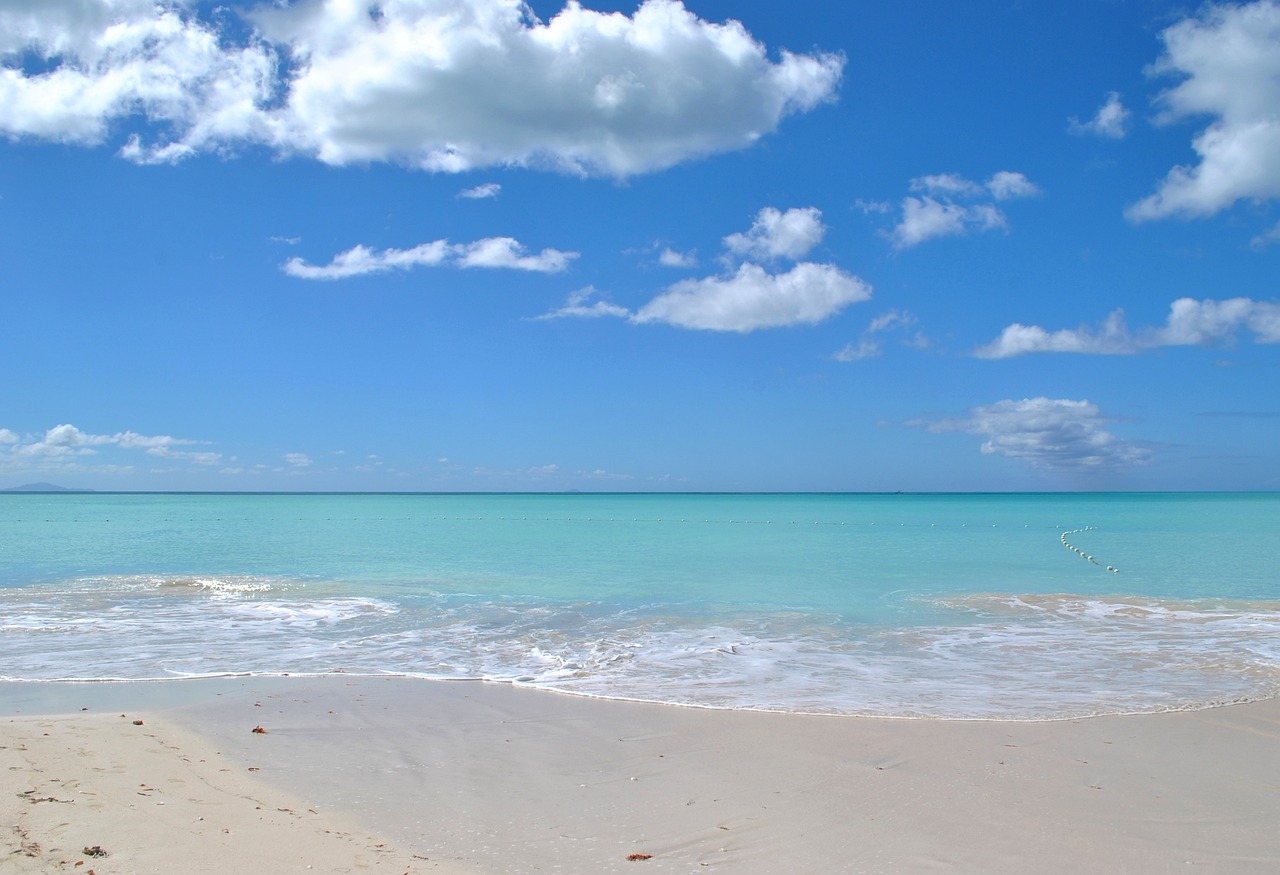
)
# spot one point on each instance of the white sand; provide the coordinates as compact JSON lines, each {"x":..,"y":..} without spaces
{"x":493,"y":779}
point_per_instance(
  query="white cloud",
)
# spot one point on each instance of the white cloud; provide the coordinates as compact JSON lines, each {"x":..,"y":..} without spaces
{"x":1266,"y":238}
{"x":492,"y":252}
{"x":116,"y":59}
{"x":670,"y":258}
{"x":748,"y":297}
{"x":481,"y":192}
{"x":865,"y":348}
{"x":578,"y":306}
{"x":1052,"y":434}
{"x":925,"y":218}
{"x":446,"y":85}
{"x":1007,"y":185}
{"x":946,"y":208}
{"x":1228,"y":59}
{"x":752,"y":299}
{"x":62,"y":446}
{"x":947,"y":184}
{"x":506,"y":252}
{"x":1190,"y":323}
{"x":870,"y":346}
{"x":1111,"y":121}
{"x":775,"y":234}
{"x":298,"y":460}
{"x":360,"y":260}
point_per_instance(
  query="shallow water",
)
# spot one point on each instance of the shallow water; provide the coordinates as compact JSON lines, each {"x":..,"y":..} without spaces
{"x":961,"y":606}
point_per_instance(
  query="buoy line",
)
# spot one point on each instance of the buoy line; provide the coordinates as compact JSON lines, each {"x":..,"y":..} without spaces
{"x":1074,"y":549}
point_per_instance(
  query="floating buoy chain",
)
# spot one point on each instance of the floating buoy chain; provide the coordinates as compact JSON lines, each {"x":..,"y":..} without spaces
{"x":1074,"y":549}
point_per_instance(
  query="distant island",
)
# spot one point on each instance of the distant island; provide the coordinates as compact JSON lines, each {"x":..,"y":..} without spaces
{"x":42,"y":487}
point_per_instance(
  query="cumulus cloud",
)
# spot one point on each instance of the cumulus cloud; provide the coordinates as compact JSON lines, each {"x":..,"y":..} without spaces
{"x":1228,"y":60}
{"x":109,"y":60}
{"x":298,"y":460}
{"x":1051,"y":434}
{"x":481,"y":192}
{"x":492,"y":252}
{"x":1190,"y":323}
{"x":445,"y":85}
{"x":869,"y":345}
{"x":65,"y":446}
{"x":1111,"y":121}
{"x":752,"y":298}
{"x":946,"y":206}
{"x":776,"y":234}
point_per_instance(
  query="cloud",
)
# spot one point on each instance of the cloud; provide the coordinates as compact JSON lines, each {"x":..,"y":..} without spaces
{"x":298,"y":460}
{"x":947,"y":184}
{"x":578,"y":306}
{"x":360,"y":260}
{"x":776,"y":234}
{"x":506,"y":252}
{"x":925,"y":218}
{"x":670,"y":258}
{"x":63,"y":446}
{"x":446,"y":85}
{"x":1190,"y":323}
{"x":481,"y":192}
{"x":109,"y":60}
{"x":942,"y":211}
{"x":1266,"y":238}
{"x":1228,"y":60}
{"x":748,"y":297}
{"x":1008,"y":185}
{"x":753,"y":298}
{"x":870,"y":346}
{"x":1111,"y":121}
{"x":1056,"y":435}
{"x":492,"y":252}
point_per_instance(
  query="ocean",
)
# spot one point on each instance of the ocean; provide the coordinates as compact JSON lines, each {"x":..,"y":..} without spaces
{"x":1006,"y":607}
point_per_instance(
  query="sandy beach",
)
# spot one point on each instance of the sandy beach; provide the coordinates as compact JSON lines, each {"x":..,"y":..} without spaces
{"x":361,"y":774}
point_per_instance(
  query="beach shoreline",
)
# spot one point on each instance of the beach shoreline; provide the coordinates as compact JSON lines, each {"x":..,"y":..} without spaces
{"x":487,"y":778}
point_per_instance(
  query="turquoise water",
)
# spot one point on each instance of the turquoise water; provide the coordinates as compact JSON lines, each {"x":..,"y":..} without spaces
{"x":961,"y":606}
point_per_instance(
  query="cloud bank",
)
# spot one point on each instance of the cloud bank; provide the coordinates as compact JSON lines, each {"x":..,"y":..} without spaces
{"x":446,"y":85}
{"x":1190,"y":323}
{"x":1058,"y":435}
{"x":1228,"y":59}
{"x":65,"y":447}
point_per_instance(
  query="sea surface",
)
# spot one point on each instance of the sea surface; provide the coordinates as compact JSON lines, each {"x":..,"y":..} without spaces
{"x":1012,"y":607}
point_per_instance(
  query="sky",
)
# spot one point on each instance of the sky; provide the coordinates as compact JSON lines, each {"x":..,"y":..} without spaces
{"x":455,"y":245}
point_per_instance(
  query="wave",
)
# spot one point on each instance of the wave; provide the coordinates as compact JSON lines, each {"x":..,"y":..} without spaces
{"x":980,"y":655}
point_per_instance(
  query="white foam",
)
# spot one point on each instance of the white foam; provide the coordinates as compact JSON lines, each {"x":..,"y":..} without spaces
{"x":999,"y":656}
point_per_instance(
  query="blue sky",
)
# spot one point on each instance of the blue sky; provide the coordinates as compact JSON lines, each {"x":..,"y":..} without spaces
{"x":482,"y":245}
